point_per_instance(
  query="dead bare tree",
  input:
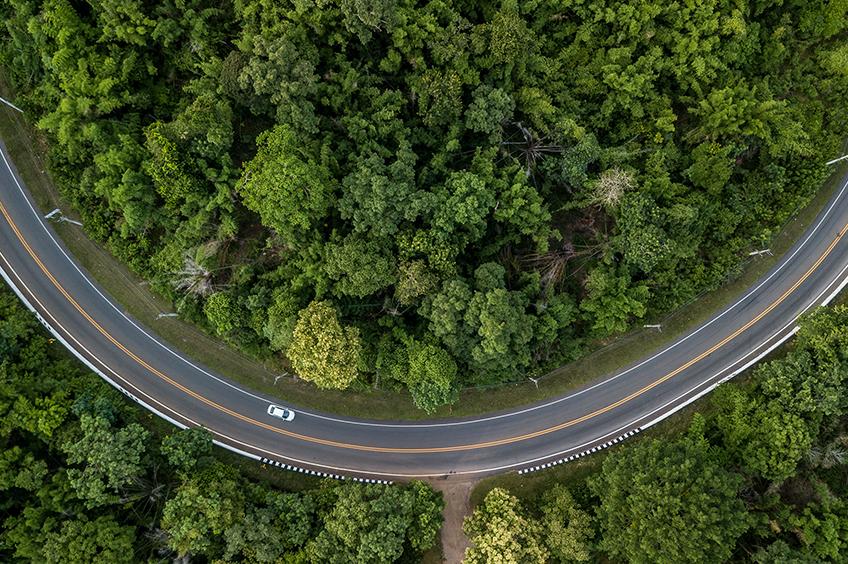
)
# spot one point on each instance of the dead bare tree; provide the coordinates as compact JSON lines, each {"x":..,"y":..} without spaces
{"x":552,"y":265}
{"x":530,"y":148}
{"x":195,"y":277}
{"x":831,"y":454}
{"x":611,"y":186}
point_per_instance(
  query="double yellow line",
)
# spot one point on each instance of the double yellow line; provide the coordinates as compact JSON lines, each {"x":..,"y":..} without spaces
{"x":367,"y":448}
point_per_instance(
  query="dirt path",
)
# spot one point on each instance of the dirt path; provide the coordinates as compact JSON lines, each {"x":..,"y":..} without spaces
{"x":457,"y":495}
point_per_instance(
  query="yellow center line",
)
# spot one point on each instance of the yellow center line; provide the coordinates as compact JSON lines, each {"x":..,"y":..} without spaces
{"x":471,"y":446}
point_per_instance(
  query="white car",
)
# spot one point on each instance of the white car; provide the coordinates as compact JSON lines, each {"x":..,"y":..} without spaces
{"x":281,"y":412}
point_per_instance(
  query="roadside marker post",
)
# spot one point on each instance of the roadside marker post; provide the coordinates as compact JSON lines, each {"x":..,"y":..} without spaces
{"x":60,"y":217}
{"x":760,"y":253}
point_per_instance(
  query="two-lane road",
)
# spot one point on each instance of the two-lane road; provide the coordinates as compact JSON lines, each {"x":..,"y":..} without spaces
{"x":84,"y":319}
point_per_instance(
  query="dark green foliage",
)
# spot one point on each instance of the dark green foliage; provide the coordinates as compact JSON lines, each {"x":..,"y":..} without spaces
{"x":669,"y":502}
{"x":111,"y":459}
{"x":761,"y":477}
{"x":377,"y":152}
{"x":187,"y":448}
{"x":371,"y":524}
{"x":83,"y":481}
{"x":567,"y":529}
{"x":801,"y":392}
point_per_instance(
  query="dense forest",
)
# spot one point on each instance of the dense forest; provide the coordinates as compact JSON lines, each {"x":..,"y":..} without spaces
{"x":761,"y":476}
{"x":87,"y":477}
{"x":431,"y":195}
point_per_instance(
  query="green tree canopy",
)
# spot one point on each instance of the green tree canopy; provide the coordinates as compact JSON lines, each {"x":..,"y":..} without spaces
{"x":567,"y":529}
{"x":288,"y":185}
{"x":372,"y":524}
{"x":187,"y":448}
{"x":501,"y":532}
{"x":202,"y":509}
{"x":667,"y":501}
{"x":322,"y":350}
{"x":111,"y":458}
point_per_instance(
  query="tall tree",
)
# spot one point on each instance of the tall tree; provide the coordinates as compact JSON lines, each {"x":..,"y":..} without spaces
{"x":373,"y":524}
{"x":322,"y":350}
{"x":664,"y":501}
{"x":202,"y":509}
{"x":288,"y":183}
{"x":567,"y":529}
{"x":111,"y":458}
{"x":501,"y":532}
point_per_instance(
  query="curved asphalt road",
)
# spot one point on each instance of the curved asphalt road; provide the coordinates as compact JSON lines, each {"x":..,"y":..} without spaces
{"x":42,"y":273}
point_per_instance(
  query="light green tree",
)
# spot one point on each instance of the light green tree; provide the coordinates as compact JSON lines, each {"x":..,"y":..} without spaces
{"x":501,"y":532}
{"x":322,"y":351}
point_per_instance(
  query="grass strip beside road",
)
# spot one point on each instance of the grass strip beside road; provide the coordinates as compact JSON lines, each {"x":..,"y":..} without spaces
{"x":620,"y":352}
{"x":573,"y":474}
{"x":28,"y":149}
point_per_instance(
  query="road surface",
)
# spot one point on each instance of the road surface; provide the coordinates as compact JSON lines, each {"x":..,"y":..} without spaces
{"x":44,"y":275}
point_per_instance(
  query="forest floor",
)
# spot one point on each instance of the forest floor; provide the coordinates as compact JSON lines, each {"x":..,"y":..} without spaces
{"x":29,"y":150}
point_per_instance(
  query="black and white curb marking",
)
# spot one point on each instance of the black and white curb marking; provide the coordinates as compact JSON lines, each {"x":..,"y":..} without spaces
{"x":592,"y":450}
{"x":291,"y":468}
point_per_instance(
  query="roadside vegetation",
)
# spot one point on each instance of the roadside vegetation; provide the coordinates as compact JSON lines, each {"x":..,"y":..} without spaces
{"x":428,"y":196}
{"x":88,"y":477}
{"x":760,"y":476}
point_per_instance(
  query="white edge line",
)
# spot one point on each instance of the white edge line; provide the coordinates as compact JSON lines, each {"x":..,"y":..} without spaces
{"x":479,"y":471}
{"x":813,"y":305}
{"x":734,"y":373}
{"x":403,"y":475}
{"x":82,"y":358}
{"x":225,"y":445}
{"x":106,"y":299}
{"x":785,"y":261}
